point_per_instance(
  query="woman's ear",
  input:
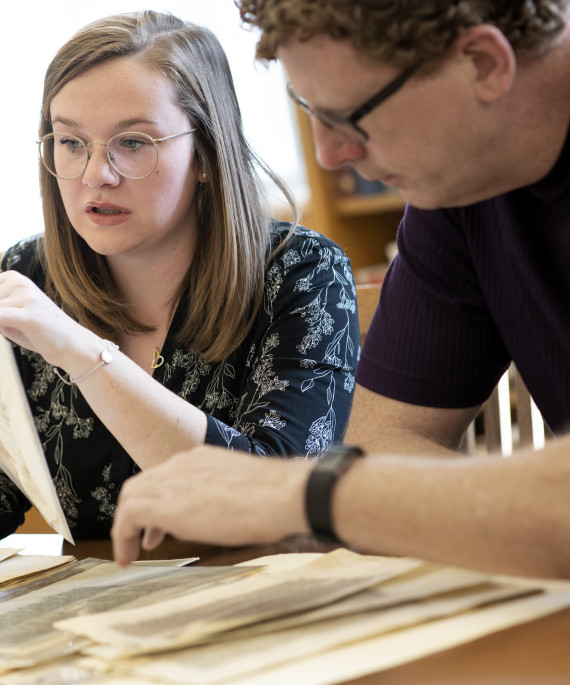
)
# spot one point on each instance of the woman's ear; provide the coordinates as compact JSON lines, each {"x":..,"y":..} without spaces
{"x":493,"y":59}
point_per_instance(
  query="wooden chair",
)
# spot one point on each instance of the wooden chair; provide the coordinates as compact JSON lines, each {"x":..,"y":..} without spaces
{"x":510,"y":419}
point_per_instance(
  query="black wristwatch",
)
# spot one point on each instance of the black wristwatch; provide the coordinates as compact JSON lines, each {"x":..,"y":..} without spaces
{"x":320,"y":485}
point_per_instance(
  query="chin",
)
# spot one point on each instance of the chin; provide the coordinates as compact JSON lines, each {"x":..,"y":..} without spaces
{"x":421,"y":200}
{"x":441,"y":198}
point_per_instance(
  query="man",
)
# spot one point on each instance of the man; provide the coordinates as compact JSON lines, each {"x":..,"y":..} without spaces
{"x":466,"y":111}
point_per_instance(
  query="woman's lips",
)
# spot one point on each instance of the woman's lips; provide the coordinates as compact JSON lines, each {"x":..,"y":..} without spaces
{"x":106,"y":214}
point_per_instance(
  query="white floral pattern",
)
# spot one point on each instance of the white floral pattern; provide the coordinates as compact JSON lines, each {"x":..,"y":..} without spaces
{"x":285,"y":391}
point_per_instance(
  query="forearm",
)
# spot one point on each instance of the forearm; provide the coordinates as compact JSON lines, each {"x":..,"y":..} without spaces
{"x":149,"y":421}
{"x":496,"y":514}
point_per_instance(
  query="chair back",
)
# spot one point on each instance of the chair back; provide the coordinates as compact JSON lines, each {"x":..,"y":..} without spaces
{"x":510,"y":419}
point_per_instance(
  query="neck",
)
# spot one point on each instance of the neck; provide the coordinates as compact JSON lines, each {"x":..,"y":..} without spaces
{"x":150,"y":287}
{"x":540,"y":112}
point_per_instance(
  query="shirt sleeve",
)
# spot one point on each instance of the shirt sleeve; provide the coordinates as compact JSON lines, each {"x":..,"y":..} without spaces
{"x":302,"y":361}
{"x":432,"y":341}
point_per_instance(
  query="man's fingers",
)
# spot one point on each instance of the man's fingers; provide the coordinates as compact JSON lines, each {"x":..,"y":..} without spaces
{"x":152,"y":537}
{"x":128,"y":526}
{"x":125,"y":550}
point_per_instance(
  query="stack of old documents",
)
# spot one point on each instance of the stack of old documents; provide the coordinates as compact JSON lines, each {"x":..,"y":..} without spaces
{"x":317,"y":618}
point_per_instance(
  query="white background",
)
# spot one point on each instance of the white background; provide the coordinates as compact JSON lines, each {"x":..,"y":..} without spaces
{"x":31,"y":32}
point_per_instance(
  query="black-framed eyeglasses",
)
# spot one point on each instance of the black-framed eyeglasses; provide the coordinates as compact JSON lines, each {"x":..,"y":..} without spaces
{"x":348,"y":125}
{"x":132,"y":155}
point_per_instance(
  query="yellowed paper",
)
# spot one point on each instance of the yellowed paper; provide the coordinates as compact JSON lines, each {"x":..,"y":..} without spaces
{"x":221,"y":662}
{"x":274,"y":563}
{"x":424,"y":581}
{"x":28,"y":638}
{"x":388,"y":651}
{"x":21,"y":454}
{"x":201,"y":615}
{"x":68,"y":672}
{"x":316,"y":621}
{"x":20,"y":566}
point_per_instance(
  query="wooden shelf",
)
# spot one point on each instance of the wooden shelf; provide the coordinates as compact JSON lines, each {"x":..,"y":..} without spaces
{"x":360,"y":205}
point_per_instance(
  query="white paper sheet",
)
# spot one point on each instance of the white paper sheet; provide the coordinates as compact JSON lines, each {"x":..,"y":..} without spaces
{"x":21,"y":454}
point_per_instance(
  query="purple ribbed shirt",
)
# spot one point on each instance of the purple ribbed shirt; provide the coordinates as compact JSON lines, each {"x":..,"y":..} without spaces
{"x":472,"y":289}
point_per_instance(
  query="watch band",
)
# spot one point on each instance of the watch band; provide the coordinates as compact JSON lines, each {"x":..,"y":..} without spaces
{"x":322,"y":480}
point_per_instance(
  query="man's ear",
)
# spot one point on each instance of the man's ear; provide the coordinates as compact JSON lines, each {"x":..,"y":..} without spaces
{"x":493,"y":58}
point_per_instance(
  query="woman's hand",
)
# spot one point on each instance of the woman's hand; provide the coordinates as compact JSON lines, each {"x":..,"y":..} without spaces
{"x":30,"y":319}
{"x":147,"y":419}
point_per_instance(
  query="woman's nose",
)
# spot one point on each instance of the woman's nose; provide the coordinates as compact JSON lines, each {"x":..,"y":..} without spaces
{"x":99,"y":170}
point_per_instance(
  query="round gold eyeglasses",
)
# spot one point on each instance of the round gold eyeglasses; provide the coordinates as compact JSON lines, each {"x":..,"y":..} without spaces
{"x":132,"y":155}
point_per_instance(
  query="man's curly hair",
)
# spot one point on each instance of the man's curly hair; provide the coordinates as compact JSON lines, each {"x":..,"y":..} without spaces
{"x":405,"y":32}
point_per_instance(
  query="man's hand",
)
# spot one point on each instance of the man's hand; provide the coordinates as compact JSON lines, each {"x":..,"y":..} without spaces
{"x":210,"y":495}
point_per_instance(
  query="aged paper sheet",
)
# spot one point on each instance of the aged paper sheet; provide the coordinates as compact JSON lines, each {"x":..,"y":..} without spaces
{"x":315,"y":620}
{"x":201,"y":615}
{"x":87,"y":587}
{"x":388,"y":651}
{"x":21,"y":454}
{"x":19,"y":567}
{"x":230,"y":660}
{"x":424,"y":581}
{"x":68,"y":672}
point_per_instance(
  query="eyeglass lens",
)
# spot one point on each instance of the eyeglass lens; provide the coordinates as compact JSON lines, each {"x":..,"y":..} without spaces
{"x":340,"y":124}
{"x":134,"y":155}
{"x":347,"y":129}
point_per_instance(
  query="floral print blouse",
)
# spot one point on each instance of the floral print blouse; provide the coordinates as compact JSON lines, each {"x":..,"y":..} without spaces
{"x":286,"y":390}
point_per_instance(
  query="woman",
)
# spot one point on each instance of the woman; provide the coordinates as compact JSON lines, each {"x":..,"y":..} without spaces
{"x":178,"y":312}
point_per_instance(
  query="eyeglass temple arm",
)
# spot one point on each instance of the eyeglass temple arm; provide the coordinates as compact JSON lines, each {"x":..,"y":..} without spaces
{"x":384,"y":94}
{"x":175,"y":135}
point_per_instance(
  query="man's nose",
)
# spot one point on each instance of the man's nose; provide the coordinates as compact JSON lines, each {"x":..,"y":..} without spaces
{"x":333,"y":149}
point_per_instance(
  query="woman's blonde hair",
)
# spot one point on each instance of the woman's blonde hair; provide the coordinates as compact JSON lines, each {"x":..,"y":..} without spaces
{"x":223,"y":287}
{"x":405,"y":32}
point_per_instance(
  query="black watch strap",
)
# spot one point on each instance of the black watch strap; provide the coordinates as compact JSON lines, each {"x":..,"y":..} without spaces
{"x":322,"y":480}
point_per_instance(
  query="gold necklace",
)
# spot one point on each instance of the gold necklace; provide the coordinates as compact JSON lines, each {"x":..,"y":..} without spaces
{"x":157,"y":359}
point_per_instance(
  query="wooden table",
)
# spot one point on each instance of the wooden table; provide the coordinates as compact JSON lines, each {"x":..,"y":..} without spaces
{"x":535,"y":653}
